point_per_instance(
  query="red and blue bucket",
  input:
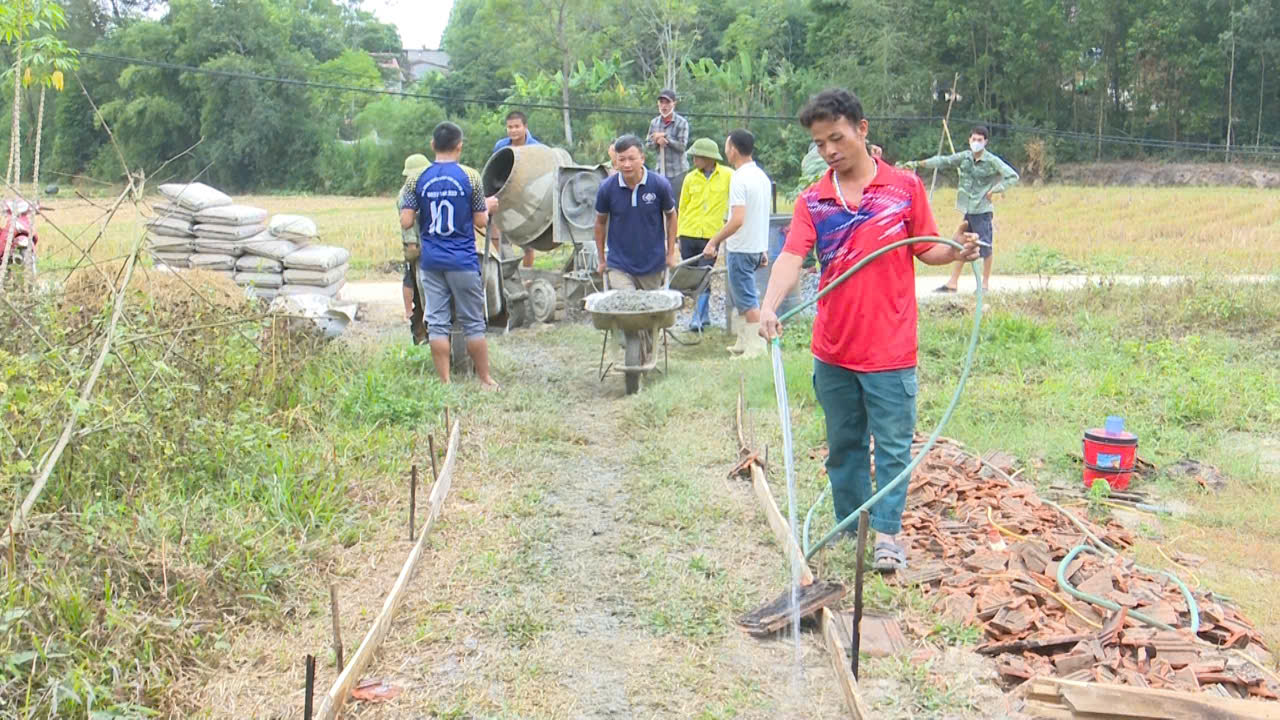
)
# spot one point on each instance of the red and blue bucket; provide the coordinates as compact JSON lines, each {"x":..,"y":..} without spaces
{"x":1109,"y":454}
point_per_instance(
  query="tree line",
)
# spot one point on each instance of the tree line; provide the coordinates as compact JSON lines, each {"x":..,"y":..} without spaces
{"x":1058,"y":80}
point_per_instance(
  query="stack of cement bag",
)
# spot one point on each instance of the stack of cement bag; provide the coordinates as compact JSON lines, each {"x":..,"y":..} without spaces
{"x":221,"y":232}
{"x":315,"y":269}
{"x":283,"y":260}
{"x":260,"y":270}
{"x":171,"y":234}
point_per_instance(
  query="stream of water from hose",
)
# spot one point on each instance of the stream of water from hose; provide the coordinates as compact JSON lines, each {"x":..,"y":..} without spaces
{"x":784,"y":415}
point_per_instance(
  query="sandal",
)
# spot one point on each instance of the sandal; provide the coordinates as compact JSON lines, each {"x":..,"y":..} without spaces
{"x":944,"y":289}
{"x":889,"y":557}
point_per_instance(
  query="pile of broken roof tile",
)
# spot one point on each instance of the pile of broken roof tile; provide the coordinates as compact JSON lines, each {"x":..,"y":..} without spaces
{"x":1005,"y":582}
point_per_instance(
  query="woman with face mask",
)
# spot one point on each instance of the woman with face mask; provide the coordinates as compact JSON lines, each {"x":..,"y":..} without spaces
{"x":982,"y":175}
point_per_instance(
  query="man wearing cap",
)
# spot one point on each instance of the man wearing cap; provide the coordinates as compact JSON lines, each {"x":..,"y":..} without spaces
{"x":669,"y":136}
{"x":517,"y":135}
{"x":410,"y":238}
{"x":704,"y":202}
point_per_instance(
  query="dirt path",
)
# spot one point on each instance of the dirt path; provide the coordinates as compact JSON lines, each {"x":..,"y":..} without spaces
{"x":566,"y":583}
{"x":582,"y":569}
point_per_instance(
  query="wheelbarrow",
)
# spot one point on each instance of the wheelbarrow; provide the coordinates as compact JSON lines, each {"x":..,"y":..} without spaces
{"x":637,"y":328}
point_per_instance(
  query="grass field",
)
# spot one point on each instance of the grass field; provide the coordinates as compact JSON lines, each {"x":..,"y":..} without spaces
{"x":1049,"y":230}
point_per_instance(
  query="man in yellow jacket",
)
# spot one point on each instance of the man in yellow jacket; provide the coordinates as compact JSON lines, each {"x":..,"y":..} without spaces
{"x":704,"y":205}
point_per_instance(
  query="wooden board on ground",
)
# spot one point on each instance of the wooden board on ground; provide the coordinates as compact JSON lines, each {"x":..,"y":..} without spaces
{"x":1071,"y":700}
{"x":337,"y":696}
{"x":838,"y":652}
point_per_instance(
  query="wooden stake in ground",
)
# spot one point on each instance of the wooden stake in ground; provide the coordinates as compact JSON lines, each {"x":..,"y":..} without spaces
{"x":309,"y":686}
{"x":431,"y":448}
{"x":413,"y":497}
{"x":337,"y":625}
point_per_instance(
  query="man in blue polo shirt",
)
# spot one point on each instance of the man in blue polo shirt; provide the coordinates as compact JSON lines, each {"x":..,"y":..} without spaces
{"x":636,"y":214}
{"x":451,"y":202}
{"x":517,"y":135}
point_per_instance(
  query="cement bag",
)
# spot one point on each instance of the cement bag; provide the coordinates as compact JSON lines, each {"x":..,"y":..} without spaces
{"x":327,"y":290}
{"x":317,"y":257}
{"x":266,"y":245}
{"x":315,"y":277}
{"x":232,"y":215}
{"x":174,"y":211}
{"x":194,"y":196}
{"x":261,"y":293}
{"x":172,"y":227}
{"x":263,"y":280}
{"x":227,"y":232}
{"x":234,"y":248}
{"x":169,"y":244}
{"x":212,"y":261}
{"x":173,"y":260}
{"x":297,"y":228}
{"x":255,"y":264}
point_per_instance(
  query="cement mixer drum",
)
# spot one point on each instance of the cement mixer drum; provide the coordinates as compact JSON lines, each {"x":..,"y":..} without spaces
{"x":544,"y":200}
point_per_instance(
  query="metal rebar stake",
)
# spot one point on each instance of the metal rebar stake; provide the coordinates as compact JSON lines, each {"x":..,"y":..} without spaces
{"x":855,"y":634}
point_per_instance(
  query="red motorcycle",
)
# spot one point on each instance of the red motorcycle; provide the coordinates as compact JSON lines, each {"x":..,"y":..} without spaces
{"x":18,"y":237}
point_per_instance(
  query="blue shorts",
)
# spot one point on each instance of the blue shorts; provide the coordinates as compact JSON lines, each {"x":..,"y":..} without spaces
{"x":980,"y":224}
{"x":742,"y":280}
{"x":451,"y":292}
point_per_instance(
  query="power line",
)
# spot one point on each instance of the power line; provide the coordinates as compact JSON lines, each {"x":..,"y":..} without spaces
{"x":1154,"y":143}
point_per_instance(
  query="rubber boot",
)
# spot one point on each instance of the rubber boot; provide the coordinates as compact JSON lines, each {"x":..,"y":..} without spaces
{"x":701,"y":313}
{"x":752,"y":344}
{"x":741,"y":341}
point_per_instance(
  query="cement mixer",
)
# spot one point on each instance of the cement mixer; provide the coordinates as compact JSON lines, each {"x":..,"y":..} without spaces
{"x":545,"y":201}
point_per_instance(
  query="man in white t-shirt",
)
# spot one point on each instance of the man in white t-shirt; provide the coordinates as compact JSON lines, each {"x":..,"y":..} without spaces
{"x":746,"y":237}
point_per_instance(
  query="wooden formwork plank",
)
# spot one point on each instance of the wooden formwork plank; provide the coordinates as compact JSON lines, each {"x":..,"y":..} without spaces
{"x":835,"y":647}
{"x":779,"y":524}
{"x":341,"y":690}
{"x":837,"y":652}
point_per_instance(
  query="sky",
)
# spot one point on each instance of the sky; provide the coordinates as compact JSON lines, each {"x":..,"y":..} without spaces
{"x":421,"y":22}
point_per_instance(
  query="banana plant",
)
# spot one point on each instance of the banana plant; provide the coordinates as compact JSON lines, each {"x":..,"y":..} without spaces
{"x":23,"y":25}
{"x":48,"y":62}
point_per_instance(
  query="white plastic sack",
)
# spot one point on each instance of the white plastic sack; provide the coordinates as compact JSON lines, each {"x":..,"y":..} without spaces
{"x":327,"y":290}
{"x":232,"y":215}
{"x":194,"y":196}
{"x":173,"y":260}
{"x":293,"y":227}
{"x":174,"y":211}
{"x":172,"y":227}
{"x":169,"y":244}
{"x":317,"y":257}
{"x":315,"y":277}
{"x":226,"y":232}
{"x":212,"y":261}
{"x":266,"y":245}
{"x":264,"y":280}
{"x":256,"y":264}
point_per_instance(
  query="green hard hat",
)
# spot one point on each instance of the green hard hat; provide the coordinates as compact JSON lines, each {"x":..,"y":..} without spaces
{"x":705,"y":147}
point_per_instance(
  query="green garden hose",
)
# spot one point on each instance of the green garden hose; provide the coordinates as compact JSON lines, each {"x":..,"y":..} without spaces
{"x":809,"y":551}
{"x":1193,"y":608}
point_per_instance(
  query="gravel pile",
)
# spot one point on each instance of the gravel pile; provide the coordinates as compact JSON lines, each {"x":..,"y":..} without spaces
{"x":626,"y":301}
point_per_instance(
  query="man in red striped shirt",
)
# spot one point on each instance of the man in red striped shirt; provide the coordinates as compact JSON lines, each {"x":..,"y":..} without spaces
{"x":864,"y":336}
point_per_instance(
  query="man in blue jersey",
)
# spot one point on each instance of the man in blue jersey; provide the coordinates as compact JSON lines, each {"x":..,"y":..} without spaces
{"x":451,"y":202}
